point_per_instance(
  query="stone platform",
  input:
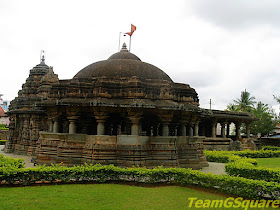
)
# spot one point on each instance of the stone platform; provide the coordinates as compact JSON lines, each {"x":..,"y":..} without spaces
{"x":120,"y":150}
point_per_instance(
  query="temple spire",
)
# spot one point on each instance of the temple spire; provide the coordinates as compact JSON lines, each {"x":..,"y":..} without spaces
{"x":124,"y":48}
{"x":42,"y":57}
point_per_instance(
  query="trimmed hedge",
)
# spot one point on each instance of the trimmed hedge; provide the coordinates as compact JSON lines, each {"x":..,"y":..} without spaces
{"x":2,"y":142}
{"x":225,"y":157}
{"x":3,"y":127}
{"x":222,"y":156}
{"x":270,"y":148}
{"x":9,"y":162}
{"x":240,"y":186}
{"x":247,"y":170}
{"x":257,"y":154}
{"x":246,"y":167}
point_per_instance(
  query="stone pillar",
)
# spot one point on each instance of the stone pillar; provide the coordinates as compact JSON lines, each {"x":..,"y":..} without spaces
{"x":228,"y":130}
{"x":237,"y":131}
{"x":190,"y":129}
{"x":100,"y":119}
{"x":165,"y":119}
{"x":50,"y":125}
{"x":56,"y":126}
{"x":100,"y":127}
{"x":248,"y":131}
{"x":183,"y":129}
{"x":119,"y":132}
{"x":165,"y":129}
{"x":135,"y":125}
{"x":140,"y":127}
{"x":203,"y":130}
{"x":214,"y":124}
{"x":196,"y":128}
{"x":72,"y":124}
{"x":223,"y":130}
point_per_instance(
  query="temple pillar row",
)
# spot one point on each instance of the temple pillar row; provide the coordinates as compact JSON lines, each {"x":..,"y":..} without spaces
{"x":101,"y":117}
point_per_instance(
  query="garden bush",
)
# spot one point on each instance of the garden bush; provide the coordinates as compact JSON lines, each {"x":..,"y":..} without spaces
{"x":270,"y":148}
{"x":239,"y":186}
{"x":225,"y":157}
{"x":240,"y":165}
{"x":2,"y":142}
{"x":247,"y":170}
{"x":257,"y":154}
{"x":3,"y":127}
{"x":8,"y":162}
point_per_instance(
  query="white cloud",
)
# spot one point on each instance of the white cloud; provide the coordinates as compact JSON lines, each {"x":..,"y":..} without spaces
{"x":238,"y":13}
{"x":218,"y":47}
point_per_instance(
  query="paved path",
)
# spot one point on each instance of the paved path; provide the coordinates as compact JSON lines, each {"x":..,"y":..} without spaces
{"x":214,"y":168}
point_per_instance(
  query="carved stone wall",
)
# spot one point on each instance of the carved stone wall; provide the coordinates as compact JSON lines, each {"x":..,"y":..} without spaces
{"x":123,"y":150}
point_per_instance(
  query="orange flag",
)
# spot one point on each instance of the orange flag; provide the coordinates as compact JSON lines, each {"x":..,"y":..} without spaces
{"x":133,"y":28}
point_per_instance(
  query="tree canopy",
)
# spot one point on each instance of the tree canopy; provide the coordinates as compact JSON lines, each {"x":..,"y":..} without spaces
{"x":267,"y":118}
{"x":245,"y":103}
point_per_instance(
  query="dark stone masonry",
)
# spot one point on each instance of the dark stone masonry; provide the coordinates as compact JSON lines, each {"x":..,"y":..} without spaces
{"x":119,"y":111}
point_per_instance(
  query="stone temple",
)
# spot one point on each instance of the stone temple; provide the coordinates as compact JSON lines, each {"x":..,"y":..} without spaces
{"x":119,"y":111}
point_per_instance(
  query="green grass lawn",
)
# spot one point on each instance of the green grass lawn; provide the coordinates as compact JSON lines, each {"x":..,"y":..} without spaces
{"x":269,"y":162}
{"x":100,"y":196}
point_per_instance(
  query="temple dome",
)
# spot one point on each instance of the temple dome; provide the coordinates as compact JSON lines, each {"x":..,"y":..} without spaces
{"x":123,"y":64}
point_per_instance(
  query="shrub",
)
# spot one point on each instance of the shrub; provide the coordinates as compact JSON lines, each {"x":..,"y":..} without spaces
{"x":9,"y":162}
{"x":225,"y":157}
{"x":258,"y":154}
{"x":270,"y":148}
{"x":239,"y":186}
{"x":2,"y":142}
{"x":240,"y":165}
{"x":248,"y":170}
{"x":3,"y":127}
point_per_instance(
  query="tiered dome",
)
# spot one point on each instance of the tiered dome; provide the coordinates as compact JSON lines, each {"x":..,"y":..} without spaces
{"x":123,"y":64}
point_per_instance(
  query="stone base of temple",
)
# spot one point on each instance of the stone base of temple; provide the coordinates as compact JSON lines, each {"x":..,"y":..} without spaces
{"x":228,"y":144}
{"x":218,"y":144}
{"x":121,"y":150}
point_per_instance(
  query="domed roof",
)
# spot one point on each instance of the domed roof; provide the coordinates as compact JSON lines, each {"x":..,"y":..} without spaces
{"x":124,"y":54}
{"x":123,"y":64}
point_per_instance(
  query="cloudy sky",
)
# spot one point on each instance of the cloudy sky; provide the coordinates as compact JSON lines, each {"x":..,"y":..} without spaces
{"x":218,"y":47}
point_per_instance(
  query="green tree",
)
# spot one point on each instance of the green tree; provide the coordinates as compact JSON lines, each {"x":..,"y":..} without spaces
{"x":245,"y":103}
{"x":231,"y":107}
{"x":267,"y":119}
{"x":277,"y":98}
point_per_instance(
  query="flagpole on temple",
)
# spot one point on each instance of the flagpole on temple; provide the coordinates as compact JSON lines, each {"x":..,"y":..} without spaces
{"x":124,"y":34}
{"x":119,"y":42}
{"x":133,"y":28}
{"x":129,"y":43}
